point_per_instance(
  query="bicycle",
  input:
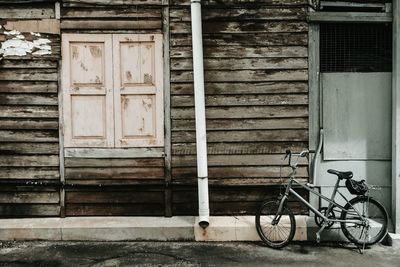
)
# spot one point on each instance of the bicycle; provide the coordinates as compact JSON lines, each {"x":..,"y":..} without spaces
{"x":363,"y":220}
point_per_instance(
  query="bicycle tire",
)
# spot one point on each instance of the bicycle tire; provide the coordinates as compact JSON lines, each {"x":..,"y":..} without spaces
{"x":279,"y":235}
{"x":377,"y":218}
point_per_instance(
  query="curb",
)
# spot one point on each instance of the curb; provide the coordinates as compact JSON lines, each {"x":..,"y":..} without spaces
{"x":179,"y":228}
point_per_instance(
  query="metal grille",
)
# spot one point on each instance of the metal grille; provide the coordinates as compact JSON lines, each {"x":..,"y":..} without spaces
{"x":356,"y":47}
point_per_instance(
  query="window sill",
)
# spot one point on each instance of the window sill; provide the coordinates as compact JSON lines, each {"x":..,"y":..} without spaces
{"x":137,"y":152}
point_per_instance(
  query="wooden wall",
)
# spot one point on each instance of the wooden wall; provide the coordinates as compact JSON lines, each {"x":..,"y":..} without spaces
{"x":256,"y":97}
{"x":255,"y":57}
{"x":29,"y":149}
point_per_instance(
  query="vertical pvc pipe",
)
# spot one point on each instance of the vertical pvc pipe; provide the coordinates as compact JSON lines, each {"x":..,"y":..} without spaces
{"x":201,"y":141}
{"x":395,"y":118}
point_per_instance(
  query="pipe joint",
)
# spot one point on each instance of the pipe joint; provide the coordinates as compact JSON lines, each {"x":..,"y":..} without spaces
{"x":202,"y":178}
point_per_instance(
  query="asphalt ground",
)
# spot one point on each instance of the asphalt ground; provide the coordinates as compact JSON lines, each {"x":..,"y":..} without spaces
{"x":38,"y":253}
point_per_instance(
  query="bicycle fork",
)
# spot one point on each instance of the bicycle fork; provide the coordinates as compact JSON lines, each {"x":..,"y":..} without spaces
{"x":278,"y":214}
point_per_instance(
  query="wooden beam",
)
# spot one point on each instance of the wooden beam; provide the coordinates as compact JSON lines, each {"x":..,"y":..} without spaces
{"x":57,"y":10}
{"x":349,"y":17}
{"x":61,"y":140}
{"x":351,"y":4}
{"x":313,"y":83}
{"x":113,"y":153}
{"x":167,"y":109}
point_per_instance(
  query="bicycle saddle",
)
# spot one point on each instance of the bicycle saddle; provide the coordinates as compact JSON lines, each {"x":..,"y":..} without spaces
{"x":341,"y":175}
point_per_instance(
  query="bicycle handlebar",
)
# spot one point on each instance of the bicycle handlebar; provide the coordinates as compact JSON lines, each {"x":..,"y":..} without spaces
{"x":302,"y":154}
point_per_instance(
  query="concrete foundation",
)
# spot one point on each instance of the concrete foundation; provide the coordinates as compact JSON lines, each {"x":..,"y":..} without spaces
{"x":180,"y":228}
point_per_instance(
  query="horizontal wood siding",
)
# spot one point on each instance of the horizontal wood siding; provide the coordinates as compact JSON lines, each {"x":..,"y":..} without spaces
{"x":111,"y":16}
{"x":29,"y":137}
{"x":134,"y":200}
{"x":256,"y":84}
{"x":114,"y":186}
{"x":233,"y":200}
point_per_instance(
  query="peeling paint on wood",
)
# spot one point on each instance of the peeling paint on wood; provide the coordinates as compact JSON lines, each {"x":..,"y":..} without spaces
{"x":19,"y":45}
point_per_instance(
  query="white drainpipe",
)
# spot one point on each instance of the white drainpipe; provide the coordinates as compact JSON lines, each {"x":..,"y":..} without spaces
{"x":201,"y":142}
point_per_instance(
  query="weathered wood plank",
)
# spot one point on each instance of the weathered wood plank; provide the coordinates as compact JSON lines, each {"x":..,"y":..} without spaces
{"x":29,"y":197}
{"x":115,"y":173}
{"x":28,"y":112}
{"x":110,"y":2}
{"x":55,"y":54}
{"x":29,"y":148}
{"x":233,"y":160}
{"x":29,"y":173}
{"x":242,"y":52}
{"x":243,"y":136}
{"x":28,"y":87}
{"x":243,"y":40}
{"x":27,"y":12}
{"x":241,"y":27}
{"x":261,"y":13}
{"x":233,"y":192}
{"x":115,"y":197}
{"x":239,"y":148}
{"x":28,"y":99}
{"x":114,"y":153}
{"x":24,"y":1}
{"x":355,"y":17}
{"x":239,"y":124}
{"x":28,"y":136}
{"x":230,"y":3}
{"x":242,"y":64}
{"x":111,"y":25}
{"x":107,"y":13}
{"x":243,"y":100}
{"x":114,"y":210}
{"x":230,"y":208}
{"x":28,"y":124}
{"x":29,"y":210}
{"x":242,"y":88}
{"x":244,"y":112}
{"x":243,"y":75}
{"x":50,"y":26}
{"x":120,"y":183}
{"x":240,"y":172}
{"x":28,"y":74}
{"x":24,"y":64}
{"x":29,"y":161}
{"x":86,"y":162}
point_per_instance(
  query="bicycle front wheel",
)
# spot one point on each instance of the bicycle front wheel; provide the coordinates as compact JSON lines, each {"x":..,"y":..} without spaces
{"x":279,"y":234}
{"x":370,"y":227}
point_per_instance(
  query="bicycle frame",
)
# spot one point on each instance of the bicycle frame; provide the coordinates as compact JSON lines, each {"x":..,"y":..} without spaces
{"x":332,"y":203}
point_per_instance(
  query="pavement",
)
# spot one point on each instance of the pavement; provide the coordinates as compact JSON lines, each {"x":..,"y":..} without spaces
{"x":99,"y":254}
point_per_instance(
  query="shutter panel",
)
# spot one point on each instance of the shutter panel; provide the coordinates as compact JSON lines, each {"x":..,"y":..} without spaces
{"x":87,"y":90}
{"x":138,"y":90}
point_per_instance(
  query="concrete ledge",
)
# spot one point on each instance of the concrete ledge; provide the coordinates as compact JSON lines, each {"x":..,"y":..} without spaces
{"x":30,"y":229}
{"x":127,"y":228}
{"x":239,"y":228}
{"x":183,"y":228}
{"x":98,"y":228}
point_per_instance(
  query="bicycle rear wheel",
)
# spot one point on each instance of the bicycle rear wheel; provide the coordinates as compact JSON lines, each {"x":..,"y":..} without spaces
{"x":372,"y":212}
{"x":280,"y":234}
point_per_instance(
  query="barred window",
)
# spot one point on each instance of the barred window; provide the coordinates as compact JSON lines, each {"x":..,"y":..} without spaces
{"x":355,"y":47}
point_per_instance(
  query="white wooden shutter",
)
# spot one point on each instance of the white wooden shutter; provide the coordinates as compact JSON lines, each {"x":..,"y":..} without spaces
{"x":87,"y":90}
{"x":138,"y":90}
